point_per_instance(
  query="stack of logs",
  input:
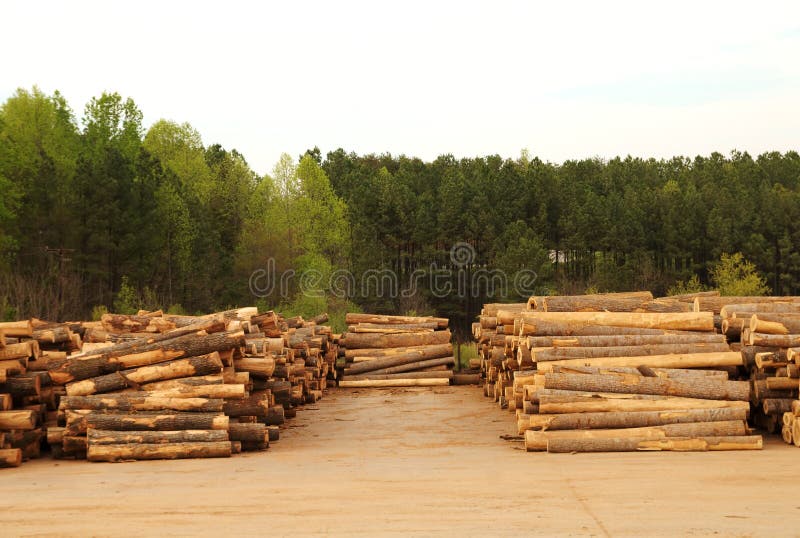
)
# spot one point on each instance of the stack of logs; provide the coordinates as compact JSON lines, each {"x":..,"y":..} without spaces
{"x":395,"y":351}
{"x":153,"y":386}
{"x":615,"y":372}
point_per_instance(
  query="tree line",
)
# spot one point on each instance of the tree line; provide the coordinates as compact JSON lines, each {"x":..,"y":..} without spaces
{"x":103,"y":213}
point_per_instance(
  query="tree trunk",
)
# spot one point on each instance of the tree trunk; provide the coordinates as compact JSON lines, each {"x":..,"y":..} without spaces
{"x":688,"y":360}
{"x":141,"y":402}
{"x":194,"y":366}
{"x":537,"y":440}
{"x":777,"y":406}
{"x":111,"y":437}
{"x":679,"y":444}
{"x":398,"y":368}
{"x":182,"y":382}
{"x":254,"y":432}
{"x":226,"y":392}
{"x":774,"y":340}
{"x":165,"y":451}
{"x":10,"y":457}
{"x":156,"y":421}
{"x":18,"y":420}
{"x":631,"y":419}
{"x":256,"y":405}
{"x":631,"y":340}
{"x":17,"y":328}
{"x":706,"y":388}
{"x":444,"y":374}
{"x":22,"y":386}
{"x":564,"y":328}
{"x":562,"y":353}
{"x":427,"y":352}
{"x":258,"y":368}
{"x":592,"y":403}
{"x":354,"y":318}
{"x":378,"y":383}
{"x":681,"y":321}
{"x":372,"y":340}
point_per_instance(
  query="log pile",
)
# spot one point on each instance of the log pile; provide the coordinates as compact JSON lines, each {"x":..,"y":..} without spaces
{"x":395,"y":351}
{"x":156,"y":386}
{"x":615,"y":372}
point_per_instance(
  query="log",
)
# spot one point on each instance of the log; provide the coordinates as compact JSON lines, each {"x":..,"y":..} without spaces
{"x":715,"y":304}
{"x":393,"y":383}
{"x":354,"y":318}
{"x":386,"y":362}
{"x":256,"y":405}
{"x":427,"y":352}
{"x":407,"y":367}
{"x":625,"y":340}
{"x":181,"y":382}
{"x":226,"y":392}
{"x":10,"y":457}
{"x":592,"y":303}
{"x":394,"y":328}
{"x":121,"y":323}
{"x":373,"y":340}
{"x":17,"y":328}
{"x":2,"y":339}
{"x":141,"y":402}
{"x":276,"y":415}
{"x":562,"y":353}
{"x":22,"y":350}
{"x":775,"y":323}
{"x":466,"y":379}
{"x":687,"y":360}
{"x":258,"y":368}
{"x":678,"y":444}
{"x":632,"y":419}
{"x":22,"y":386}
{"x":254,"y":433}
{"x":18,"y":420}
{"x":774,"y":340}
{"x":706,"y":388}
{"x":589,"y":402}
{"x":680,"y":321}
{"x":55,"y":334}
{"x":444,"y":374}
{"x":156,"y":421}
{"x":782,"y":383}
{"x":563,"y":329}
{"x":110,"y":437}
{"x":193,"y":366}
{"x":776,"y":406}
{"x":537,"y":440}
{"x":5,"y":402}
{"x":168,"y":451}
{"x":657,"y":372}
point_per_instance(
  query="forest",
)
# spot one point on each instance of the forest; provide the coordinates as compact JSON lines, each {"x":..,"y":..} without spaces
{"x":99,"y":213}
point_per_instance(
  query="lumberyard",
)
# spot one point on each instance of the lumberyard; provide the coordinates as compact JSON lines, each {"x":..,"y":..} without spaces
{"x":616,"y":372}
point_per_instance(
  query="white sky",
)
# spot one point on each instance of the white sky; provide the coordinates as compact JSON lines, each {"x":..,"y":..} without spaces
{"x":563,"y":79}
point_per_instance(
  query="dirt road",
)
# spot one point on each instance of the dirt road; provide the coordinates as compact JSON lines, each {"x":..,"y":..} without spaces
{"x":409,"y":461}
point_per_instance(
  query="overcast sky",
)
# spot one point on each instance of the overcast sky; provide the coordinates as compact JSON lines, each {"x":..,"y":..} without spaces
{"x":562,"y":79}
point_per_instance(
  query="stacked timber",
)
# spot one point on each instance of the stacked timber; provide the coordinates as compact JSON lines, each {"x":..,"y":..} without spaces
{"x":155,"y":386}
{"x":395,"y":351}
{"x":617,"y":373}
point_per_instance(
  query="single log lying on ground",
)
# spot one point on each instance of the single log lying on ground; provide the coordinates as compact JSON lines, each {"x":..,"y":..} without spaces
{"x":686,"y":360}
{"x":377,"y":383}
{"x":165,"y":451}
{"x":110,"y":437}
{"x":537,"y":440}
{"x":679,"y":444}
{"x":631,"y":419}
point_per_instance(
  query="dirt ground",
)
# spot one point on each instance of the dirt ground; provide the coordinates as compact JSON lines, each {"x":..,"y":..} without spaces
{"x":409,"y":461}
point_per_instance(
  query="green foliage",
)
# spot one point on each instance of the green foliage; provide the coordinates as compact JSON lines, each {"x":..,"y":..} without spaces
{"x":127,"y":299}
{"x":734,"y":275}
{"x":466,"y":352}
{"x":684,"y":287}
{"x":98,"y":311}
{"x":177,"y":310}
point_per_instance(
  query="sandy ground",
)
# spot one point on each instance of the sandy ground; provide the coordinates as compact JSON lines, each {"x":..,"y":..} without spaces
{"x":409,"y":461}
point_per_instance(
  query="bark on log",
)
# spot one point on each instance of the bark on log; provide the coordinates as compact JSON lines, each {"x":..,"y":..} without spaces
{"x":562,"y":353}
{"x":121,"y":323}
{"x":10,"y":457}
{"x":182,"y":382}
{"x":658,"y":372}
{"x":683,"y":321}
{"x":276,"y":415}
{"x":156,"y":421}
{"x":256,"y":405}
{"x":631,"y":419}
{"x":165,"y":451}
{"x":407,"y":367}
{"x":141,"y":402}
{"x":689,"y":360}
{"x":592,"y":303}
{"x":378,"y":383}
{"x":705,"y":388}
{"x":777,"y":406}
{"x":563,"y":329}
{"x":193,"y":366}
{"x":678,"y":444}
{"x":537,"y":440}
{"x":387,"y":362}
{"x":353,"y":319}
{"x":625,"y":340}
{"x":373,"y":340}
{"x":258,"y":368}
{"x":225,"y":392}
{"x":774,"y":340}
{"x":444,"y":374}
{"x":427,"y":352}
{"x":254,"y":433}
{"x":21,"y":350}
{"x":17,"y":328}
{"x":775,"y":323}
{"x":22,"y":386}
{"x":111,"y":437}
{"x":18,"y":420}
{"x":589,"y":403}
